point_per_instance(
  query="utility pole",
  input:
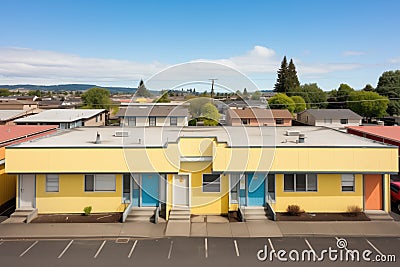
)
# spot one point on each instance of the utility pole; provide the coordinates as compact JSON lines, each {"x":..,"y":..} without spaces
{"x":212,"y":87}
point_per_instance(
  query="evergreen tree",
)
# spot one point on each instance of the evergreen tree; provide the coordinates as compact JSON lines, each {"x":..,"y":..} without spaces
{"x":281,"y":85}
{"x":292,"y":79}
{"x":142,"y":90}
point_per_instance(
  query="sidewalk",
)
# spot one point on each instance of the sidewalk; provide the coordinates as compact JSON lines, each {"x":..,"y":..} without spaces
{"x":210,"y":229}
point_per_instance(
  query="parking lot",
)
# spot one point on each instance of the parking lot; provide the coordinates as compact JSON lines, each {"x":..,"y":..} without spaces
{"x":193,"y":251}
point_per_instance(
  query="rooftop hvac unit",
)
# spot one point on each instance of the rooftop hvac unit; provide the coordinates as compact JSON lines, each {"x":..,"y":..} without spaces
{"x":292,"y":133}
{"x":121,"y":133}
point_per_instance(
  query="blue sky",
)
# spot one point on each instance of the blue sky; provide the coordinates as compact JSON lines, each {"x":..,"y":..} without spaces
{"x":119,"y":42}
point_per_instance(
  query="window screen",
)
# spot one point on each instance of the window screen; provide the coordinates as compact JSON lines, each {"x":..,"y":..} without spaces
{"x":211,"y":183}
{"x":288,"y":182}
{"x":347,"y":182}
{"x":52,"y":183}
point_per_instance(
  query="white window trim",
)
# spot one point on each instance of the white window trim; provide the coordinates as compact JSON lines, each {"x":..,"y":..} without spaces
{"x":294,"y":183}
{"x":94,"y":183}
{"x":58,"y":183}
{"x":354,"y":184}
{"x":202,"y":183}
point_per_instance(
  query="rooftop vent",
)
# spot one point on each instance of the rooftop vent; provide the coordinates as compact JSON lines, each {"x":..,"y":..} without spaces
{"x":292,"y":133}
{"x":121,"y":134}
{"x":98,"y":141}
{"x":302,"y":138}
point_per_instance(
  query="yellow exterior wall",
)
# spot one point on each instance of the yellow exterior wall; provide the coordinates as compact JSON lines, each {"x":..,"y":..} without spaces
{"x":196,"y":146}
{"x":72,"y":197}
{"x":328,"y":198}
{"x":307,"y":159}
{"x":7,"y":185}
{"x":206,"y":203}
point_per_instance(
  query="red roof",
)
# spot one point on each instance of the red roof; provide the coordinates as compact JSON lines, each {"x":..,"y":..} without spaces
{"x":387,"y":132}
{"x":12,"y":132}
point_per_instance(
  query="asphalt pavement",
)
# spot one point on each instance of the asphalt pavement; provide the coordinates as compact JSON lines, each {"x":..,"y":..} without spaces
{"x":196,"y":251}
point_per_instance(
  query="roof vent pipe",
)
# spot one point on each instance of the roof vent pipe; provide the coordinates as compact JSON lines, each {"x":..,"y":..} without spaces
{"x":302,"y":138}
{"x":98,"y":141}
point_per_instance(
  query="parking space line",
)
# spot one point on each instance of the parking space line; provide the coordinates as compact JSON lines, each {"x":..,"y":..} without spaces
{"x":236,"y":248}
{"x":100,"y":248}
{"x":205,"y":247}
{"x":26,"y":250}
{"x":272,"y":246}
{"x":132,"y":249}
{"x":309,"y":245}
{"x":65,"y":249}
{"x":376,"y":249}
{"x":170,"y":249}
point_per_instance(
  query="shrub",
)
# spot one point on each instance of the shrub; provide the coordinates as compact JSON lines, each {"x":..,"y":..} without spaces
{"x":87,"y":210}
{"x":353,"y":210}
{"x":294,"y":210}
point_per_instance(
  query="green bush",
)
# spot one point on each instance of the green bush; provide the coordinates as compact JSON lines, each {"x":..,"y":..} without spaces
{"x":87,"y":210}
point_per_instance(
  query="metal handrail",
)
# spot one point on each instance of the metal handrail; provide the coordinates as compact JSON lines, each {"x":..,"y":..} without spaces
{"x":126,"y":212}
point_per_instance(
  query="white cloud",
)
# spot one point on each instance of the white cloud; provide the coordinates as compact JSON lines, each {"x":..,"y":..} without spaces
{"x":395,"y":60}
{"x":353,"y":53}
{"x":22,"y":65}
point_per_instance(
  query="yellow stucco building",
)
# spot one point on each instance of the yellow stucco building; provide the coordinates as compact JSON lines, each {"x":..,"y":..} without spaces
{"x":207,"y":170}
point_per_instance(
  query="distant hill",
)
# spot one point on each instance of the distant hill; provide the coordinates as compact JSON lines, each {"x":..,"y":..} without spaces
{"x":71,"y":87}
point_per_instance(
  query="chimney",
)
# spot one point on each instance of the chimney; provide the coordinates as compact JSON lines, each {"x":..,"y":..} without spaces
{"x":98,"y":141}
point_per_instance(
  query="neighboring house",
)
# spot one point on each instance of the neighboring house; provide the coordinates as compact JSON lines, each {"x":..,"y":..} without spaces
{"x":10,"y":135}
{"x":202,"y":171}
{"x":51,"y":104}
{"x":258,"y":117}
{"x":7,"y":117}
{"x":385,"y":134}
{"x":67,"y":118}
{"x":333,"y":118}
{"x":10,"y":104}
{"x":153,"y":115}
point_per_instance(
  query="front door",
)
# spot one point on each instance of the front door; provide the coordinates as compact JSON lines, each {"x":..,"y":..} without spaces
{"x":373,"y":191}
{"x":256,"y":189}
{"x":27,"y":190}
{"x":181,"y":190}
{"x":150,"y":189}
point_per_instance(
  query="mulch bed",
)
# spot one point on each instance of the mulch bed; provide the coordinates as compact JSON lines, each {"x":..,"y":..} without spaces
{"x":79,"y":218}
{"x":233,"y":216}
{"x":318,"y":217}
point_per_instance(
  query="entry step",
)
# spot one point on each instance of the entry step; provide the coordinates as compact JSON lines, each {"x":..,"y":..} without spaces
{"x":378,"y":215}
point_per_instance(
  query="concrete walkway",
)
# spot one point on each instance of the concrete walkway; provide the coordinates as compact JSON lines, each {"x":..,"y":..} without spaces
{"x":203,"y":229}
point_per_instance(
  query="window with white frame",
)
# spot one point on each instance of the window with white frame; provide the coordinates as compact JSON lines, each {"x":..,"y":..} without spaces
{"x":131,"y":121}
{"x":211,"y":183}
{"x":99,"y":182}
{"x":52,"y":183}
{"x":300,"y":182}
{"x":152,"y":121}
{"x":173,"y":121}
{"x":348,"y":183}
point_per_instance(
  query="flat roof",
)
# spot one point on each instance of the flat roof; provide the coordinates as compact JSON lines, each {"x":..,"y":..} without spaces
{"x":233,"y":136}
{"x":61,"y":115}
{"x":387,"y":132}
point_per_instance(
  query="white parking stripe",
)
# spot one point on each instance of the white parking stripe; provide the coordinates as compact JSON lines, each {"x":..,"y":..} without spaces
{"x":100,"y":248}
{"x":31,"y":246}
{"x":272,"y":246}
{"x":372,"y":245}
{"x":170,"y":249}
{"x":205,"y":247}
{"x":65,"y":249}
{"x":132,"y":249}
{"x":236,"y":248}
{"x":309,"y":245}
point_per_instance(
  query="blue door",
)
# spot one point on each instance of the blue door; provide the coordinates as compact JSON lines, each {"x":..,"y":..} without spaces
{"x":150,"y":189}
{"x":256,"y":189}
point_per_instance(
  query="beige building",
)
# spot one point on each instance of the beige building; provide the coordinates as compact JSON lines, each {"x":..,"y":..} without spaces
{"x":67,"y":118}
{"x":332,"y":118}
{"x":154,"y":115}
{"x":258,"y":117}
